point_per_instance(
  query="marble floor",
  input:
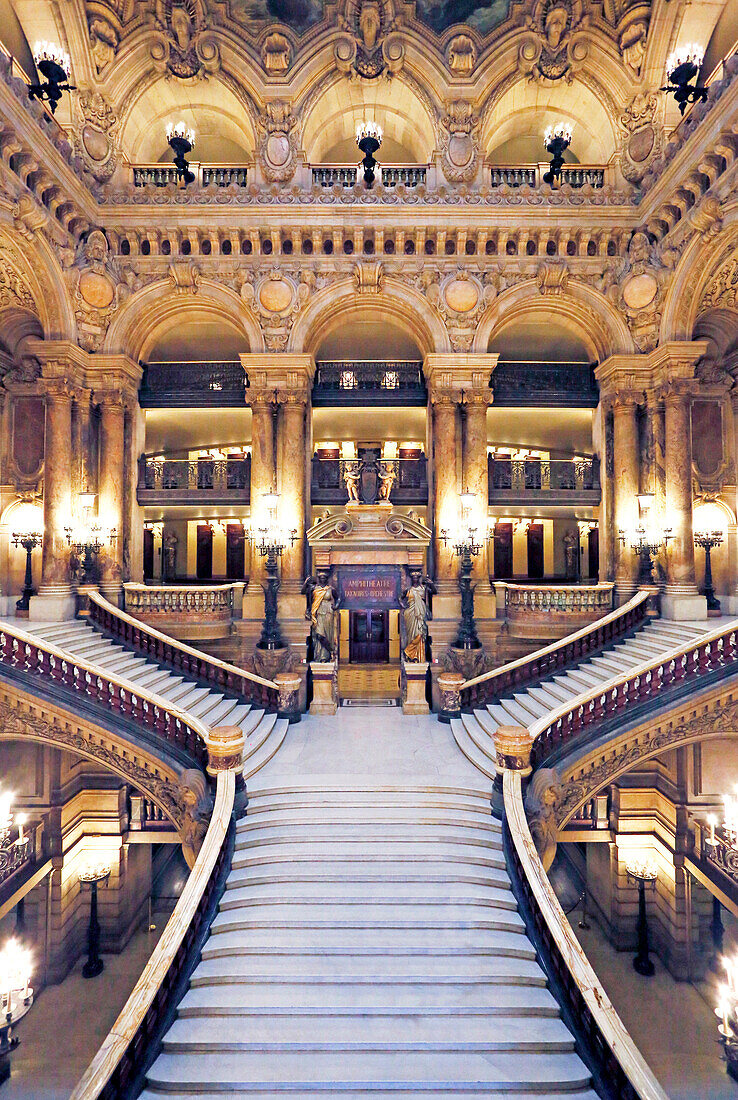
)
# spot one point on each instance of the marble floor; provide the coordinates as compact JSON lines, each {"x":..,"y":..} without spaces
{"x":672,"y":1023}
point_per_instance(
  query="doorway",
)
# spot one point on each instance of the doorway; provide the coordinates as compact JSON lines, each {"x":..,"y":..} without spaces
{"x":204,"y":560}
{"x":235,"y":552}
{"x":503,"y":551}
{"x":148,"y":554}
{"x":369,"y":637}
{"x":535,"y":551}
{"x":594,"y":553}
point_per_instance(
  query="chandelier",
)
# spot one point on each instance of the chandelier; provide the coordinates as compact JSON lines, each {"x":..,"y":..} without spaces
{"x":369,"y":139}
{"x":557,"y":140}
{"x":181,"y":139}
{"x":53,"y":63}
{"x":682,"y":67}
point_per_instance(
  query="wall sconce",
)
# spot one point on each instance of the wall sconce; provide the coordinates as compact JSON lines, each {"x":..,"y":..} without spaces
{"x":181,"y":139}
{"x":682,"y":67}
{"x":369,"y":139}
{"x":53,"y":63}
{"x":557,"y":140}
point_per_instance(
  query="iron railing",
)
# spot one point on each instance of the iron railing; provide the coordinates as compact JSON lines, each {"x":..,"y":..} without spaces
{"x":573,"y":479}
{"x":163,"y":480}
{"x":410,"y":487}
{"x":380,"y":382}
{"x":178,"y":385}
{"x":541,"y":385}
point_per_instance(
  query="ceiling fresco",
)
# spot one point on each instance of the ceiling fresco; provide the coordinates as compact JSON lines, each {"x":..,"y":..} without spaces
{"x":257,"y":14}
{"x":437,"y":14}
{"x":441,"y":14}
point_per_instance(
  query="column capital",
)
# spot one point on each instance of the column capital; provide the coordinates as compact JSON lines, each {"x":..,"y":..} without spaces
{"x":280,"y":376}
{"x":113,"y":379}
{"x":625,"y":398}
{"x":673,"y":359}
{"x":461,"y":375}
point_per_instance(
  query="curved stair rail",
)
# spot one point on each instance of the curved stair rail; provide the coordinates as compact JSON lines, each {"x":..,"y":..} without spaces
{"x":545,"y":662}
{"x":130,"y":1045}
{"x":623,"y":1073}
{"x":713,"y":652}
{"x":164,"y":719}
{"x":191,"y":662}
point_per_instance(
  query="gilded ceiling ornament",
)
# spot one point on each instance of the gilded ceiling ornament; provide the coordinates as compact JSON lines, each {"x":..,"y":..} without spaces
{"x":97,"y":287}
{"x":554,"y":46}
{"x":722,"y":289}
{"x":276,"y":297}
{"x":460,"y":141}
{"x":277,"y":128}
{"x":633,"y":36}
{"x":707,"y":218}
{"x":636,"y":285}
{"x":642,"y":140}
{"x":183,"y":46}
{"x":276,"y":53}
{"x":15,"y":289}
{"x":94,"y":138}
{"x":369,"y":47}
{"x":461,"y":55}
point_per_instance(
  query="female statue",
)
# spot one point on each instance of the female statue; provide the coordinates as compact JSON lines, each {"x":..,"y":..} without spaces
{"x":415,"y":616}
{"x":321,"y":611}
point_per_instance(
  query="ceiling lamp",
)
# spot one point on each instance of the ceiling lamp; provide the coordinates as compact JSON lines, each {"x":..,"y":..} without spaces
{"x":557,"y":140}
{"x":369,"y":139}
{"x":53,"y":63}
{"x":181,"y":139}
{"x":682,"y":68}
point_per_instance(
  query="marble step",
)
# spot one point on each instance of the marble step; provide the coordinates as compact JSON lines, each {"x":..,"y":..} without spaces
{"x":368,"y":942}
{"x":410,"y":1032}
{"x":349,"y":816}
{"x":364,"y":839}
{"x":333,"y":893}
{"x":379,"y":862}
{"x":448,"y":1092}
{"x":244,"y":998}
{"x":243,"y":1073}
{"x":381,"y":916}
{"x":351,"y":970}
{"x":345,"y":792}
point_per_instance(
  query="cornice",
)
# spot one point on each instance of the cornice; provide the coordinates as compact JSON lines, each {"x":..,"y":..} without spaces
{"x":669,"y":363}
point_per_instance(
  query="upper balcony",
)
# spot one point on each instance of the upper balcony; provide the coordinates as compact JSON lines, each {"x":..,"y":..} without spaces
{"x":526,"y":481}
{"x":328,"y":482}
{"x":193,"y":385}
{"x":166,"y":480}
{"x":367,"y":382}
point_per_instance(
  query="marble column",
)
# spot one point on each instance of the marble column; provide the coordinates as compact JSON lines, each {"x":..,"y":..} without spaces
{"x":446,"y":491}
{"x":55,"y":574}
{"x":655,"y":474}
{"x":681,"y":598}
{"x":262,"y":471}
{"x":625,"y":485}
{"x":292,"y":483}
{"x":82,"y":440}
{"x":111,"y":489}
{"x":475,"y":469}
{"x":732,"y":607}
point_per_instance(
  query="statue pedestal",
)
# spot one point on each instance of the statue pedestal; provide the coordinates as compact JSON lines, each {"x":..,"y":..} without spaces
{"x":325,"y":687}
{"x":414,"y":678}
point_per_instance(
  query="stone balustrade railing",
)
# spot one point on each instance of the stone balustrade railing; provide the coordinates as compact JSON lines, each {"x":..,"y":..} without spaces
{"x":192,"y":663}
{"x":220,"y":175}
{"x":160,"y":602}
{"x":25,"y":653}
{"x":579,"y":599}
{"x":117,"y":1070}
{"x":545,"y":662}
{"x":347,"y":175}
{"x":619,"y":1069}
{"x":531,"y":175}
{"x":711,"y":653}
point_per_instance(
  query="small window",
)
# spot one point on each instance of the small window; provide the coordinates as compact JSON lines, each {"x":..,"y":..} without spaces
{"x":225,"y":247}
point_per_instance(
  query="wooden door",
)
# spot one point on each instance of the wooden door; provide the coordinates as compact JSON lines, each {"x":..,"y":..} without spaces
{"x":503,"y":551}
{"x":204,"y":552}
{"x":235,"y":552}
{"x":535,"y":551}
{"x":369,"y":637}
{"x":148,"y":554}
{"x":594,"y":553}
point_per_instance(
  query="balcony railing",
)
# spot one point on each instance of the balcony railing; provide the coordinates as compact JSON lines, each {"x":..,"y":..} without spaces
{"x":160,"y":175}
{"x":194,"y":481}
{"x":542,"y":385}
{"x":183,"y":385}
{"x":525,"y":480}
{"x":410,"y":487}
{"x":346,"y":175}
{"x":370,"y":382}
{"x":531,"y":175}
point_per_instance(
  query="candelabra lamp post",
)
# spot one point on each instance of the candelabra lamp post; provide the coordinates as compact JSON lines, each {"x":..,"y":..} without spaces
{"x":28,"y":519}
{"x":466,"y":548}
{"x":181,"y":138}
{"x":708,"y":540}
{"x":727,"y":1014}
{"x":682,"y":67}
{"x":270,"y":542}
{"x":557,"y":140}
{"x":55,"y":66}
{"x":645,"y":541}
{"x":369,"y":139}
{"x":642,"y":875}
{"x":87,"y":539}
{"x":16,"y":997}
{"x":93,"y":877}
{"x":14,"y":841}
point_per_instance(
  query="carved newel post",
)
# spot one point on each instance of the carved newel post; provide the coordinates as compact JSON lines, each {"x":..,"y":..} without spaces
{"x":513,"y":746}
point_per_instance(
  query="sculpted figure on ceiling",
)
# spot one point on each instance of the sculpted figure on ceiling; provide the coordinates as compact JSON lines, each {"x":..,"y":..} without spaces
{"x":554,"y":46}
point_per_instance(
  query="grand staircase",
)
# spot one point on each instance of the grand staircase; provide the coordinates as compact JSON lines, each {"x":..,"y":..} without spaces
{"x":368,"y":942}
{"x":474,"y":732}
{"x":264,"y":732}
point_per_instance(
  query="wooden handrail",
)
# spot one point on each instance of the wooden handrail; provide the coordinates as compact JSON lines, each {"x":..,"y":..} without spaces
{"x":622,"y":1066}
{"x":193,"y":662}
{"x":552,"y":657}
{"x":30,"y":654}
{"x":119,"y":1058}
{"x":710,"y":652}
